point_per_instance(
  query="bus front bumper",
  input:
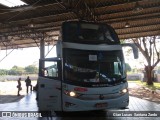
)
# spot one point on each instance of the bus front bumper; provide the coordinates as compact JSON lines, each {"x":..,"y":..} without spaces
{"x":75,"y":104}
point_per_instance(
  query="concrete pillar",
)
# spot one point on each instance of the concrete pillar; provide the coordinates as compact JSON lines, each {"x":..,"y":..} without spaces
{"x":42,"y":48}
{"x":42,"y":55}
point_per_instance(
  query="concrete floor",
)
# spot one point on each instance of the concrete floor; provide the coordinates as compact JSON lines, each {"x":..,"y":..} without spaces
{"x":28,"y":103}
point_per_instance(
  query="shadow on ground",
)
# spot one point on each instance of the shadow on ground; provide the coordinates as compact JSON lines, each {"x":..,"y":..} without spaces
{"x":10,"y":98}
{"x":145,"y":93}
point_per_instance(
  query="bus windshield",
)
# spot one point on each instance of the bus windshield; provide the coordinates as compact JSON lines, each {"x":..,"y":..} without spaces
{"x":89,"y":33}
{"x":93,"y":66}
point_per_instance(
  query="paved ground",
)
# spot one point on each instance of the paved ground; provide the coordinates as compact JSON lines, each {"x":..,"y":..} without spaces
{"x":8,"y":91}
{"x":136,"y":106}
{"x":143,"y":92}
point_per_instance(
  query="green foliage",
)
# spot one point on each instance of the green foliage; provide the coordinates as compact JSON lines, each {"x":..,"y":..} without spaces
{"x":3,"y":72}
{"x":128,"y":67}
{"x":31,"y":69}
{"x":155,"y":85}
{"x":15,"y":70}
{"x":122,"y":41}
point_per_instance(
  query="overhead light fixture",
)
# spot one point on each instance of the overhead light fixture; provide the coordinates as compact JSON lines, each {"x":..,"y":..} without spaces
{"x":127,"y":25}
{"x":137,"y":7}
{"x":12,"y":3}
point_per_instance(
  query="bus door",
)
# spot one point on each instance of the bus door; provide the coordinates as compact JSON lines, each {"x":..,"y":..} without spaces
{"x":49,"y":85}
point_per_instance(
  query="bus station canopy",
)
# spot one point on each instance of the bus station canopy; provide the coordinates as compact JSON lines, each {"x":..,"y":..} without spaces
{"x":24,"y":25}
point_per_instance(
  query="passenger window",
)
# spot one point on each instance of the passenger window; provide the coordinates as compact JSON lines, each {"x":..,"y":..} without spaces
{"x":51,"y":69}
{"x":117,"y":69}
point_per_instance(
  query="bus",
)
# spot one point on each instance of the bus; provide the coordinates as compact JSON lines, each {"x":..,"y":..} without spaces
{"x":89,"y":70}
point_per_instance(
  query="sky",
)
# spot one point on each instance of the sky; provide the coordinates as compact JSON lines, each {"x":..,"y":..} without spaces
{"x":28,"y":56}
{"x":129,"y":58}
{"x":22,"y":57}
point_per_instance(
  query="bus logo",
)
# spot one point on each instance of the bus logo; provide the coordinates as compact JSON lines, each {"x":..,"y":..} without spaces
{"x":80,"y":89}
{"x":101,"y":97}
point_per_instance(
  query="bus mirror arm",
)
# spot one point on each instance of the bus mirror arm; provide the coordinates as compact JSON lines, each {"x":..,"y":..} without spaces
{"x":134,"y":48}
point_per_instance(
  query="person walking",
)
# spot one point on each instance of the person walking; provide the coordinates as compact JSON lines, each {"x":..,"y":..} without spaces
{"x":19,"y":86}
{"x":28,"y":83}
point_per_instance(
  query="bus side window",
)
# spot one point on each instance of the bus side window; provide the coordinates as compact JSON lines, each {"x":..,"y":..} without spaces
{"x":51,"y":69}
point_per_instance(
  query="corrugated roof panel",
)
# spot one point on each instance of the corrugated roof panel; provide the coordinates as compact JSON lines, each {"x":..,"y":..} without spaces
{"x":48,"y":15}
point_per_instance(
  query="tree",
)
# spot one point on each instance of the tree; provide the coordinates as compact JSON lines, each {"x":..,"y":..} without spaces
{"x":15,"y":70}
{"x":31,"y":69}
{"x":148,"y":47}
{"x":3,"y":72}
{"x":128,"y":67}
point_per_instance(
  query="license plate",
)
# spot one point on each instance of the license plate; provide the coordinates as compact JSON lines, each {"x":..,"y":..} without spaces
{"x":100,"y":105}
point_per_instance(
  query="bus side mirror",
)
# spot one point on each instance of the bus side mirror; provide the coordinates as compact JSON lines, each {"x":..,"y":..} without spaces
{"x":134,"y":48}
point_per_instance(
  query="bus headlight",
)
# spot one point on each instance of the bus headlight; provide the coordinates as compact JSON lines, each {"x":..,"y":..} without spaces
{"x":123,"y":91}
{"x":72,"y":94}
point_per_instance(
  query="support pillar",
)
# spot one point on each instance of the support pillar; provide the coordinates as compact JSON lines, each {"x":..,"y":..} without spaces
{"x":42,"y":49}
{"x":42,"y":55}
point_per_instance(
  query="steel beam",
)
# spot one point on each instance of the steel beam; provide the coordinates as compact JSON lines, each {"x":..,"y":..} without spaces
{"x":6,"y":55}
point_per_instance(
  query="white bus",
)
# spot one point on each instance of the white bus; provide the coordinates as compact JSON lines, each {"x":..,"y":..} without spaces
{"x":88,"y":72}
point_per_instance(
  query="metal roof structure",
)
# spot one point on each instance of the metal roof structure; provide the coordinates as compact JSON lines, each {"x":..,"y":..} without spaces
{"x":24,"y":26}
